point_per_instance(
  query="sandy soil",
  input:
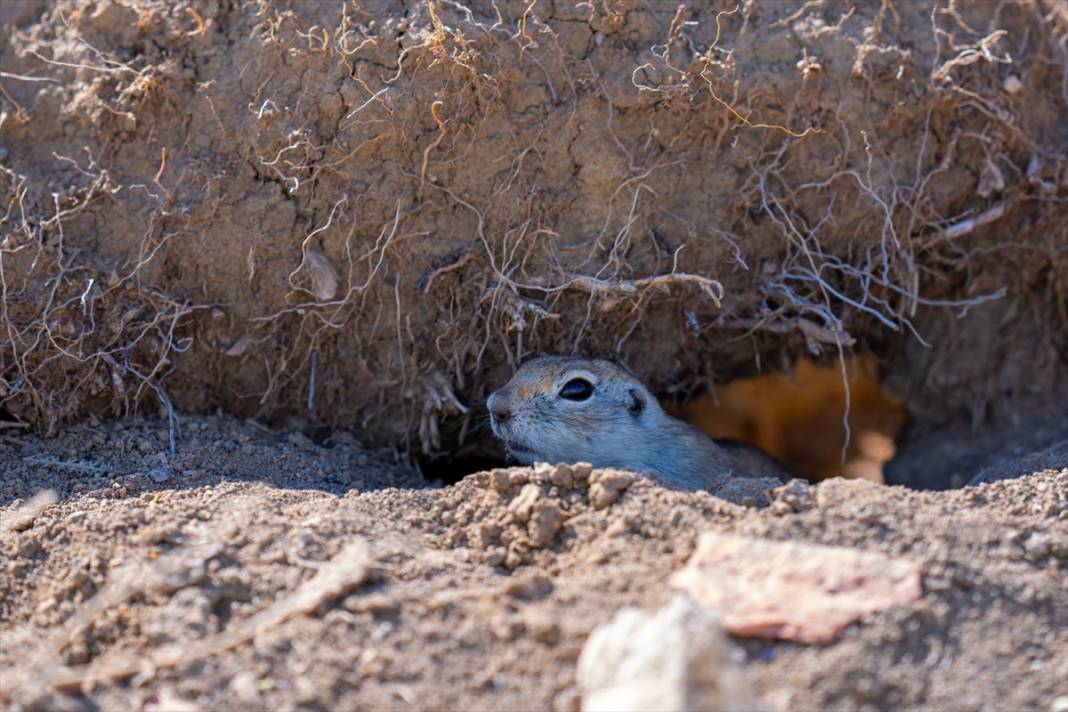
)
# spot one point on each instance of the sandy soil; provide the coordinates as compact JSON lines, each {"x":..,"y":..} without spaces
{"x":466,"y":597}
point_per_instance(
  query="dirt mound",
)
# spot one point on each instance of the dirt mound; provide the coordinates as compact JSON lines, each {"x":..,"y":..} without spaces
{"x":254,"y":575}
{"x":516,"y":512}
{"x":365,"y":213}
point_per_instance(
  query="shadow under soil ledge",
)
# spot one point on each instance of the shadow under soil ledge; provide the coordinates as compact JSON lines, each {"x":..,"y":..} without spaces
{"x":797,"y":419}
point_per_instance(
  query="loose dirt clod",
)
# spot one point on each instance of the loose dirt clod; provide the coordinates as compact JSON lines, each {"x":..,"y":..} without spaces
{"x":676,"y":658}
{"x":519,"y":511}
{"x":792,"y":590}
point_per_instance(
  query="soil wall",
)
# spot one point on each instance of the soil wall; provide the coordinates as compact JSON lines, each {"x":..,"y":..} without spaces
{"x":364,"y":214}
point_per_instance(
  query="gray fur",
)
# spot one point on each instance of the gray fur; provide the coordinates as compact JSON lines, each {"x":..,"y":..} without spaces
{"x":605,"y":431}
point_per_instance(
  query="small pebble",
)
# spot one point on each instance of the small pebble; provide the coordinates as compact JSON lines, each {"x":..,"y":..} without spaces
{"x":1037,"y":546}
{"x":158,"y":474}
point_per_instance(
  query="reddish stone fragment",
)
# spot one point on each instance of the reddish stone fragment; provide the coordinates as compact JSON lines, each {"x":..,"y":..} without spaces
{"x":792,"y":590}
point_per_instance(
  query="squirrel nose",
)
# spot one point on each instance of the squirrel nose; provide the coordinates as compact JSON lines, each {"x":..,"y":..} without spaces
{"x":499,"y":408}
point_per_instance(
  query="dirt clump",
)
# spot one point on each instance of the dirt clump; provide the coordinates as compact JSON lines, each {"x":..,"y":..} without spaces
{"x":520,"y":511}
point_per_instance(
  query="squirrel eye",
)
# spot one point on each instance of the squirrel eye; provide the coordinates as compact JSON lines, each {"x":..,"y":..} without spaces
{"x":577,"y":389}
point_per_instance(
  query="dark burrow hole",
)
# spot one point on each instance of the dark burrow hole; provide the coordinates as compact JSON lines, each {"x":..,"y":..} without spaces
{"x":450,"y":470}
{"x":797,"y":418}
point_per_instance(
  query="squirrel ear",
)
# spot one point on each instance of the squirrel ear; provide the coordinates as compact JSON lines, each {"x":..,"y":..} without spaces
{"x":637,"y":402}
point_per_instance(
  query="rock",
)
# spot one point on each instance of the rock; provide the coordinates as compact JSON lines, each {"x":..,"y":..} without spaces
{"x":676,"y":658}
{"x":377,"y":603}
{"x":1012,"y":84}
{"x":1037,"y":546}
{"x":506,"y":626}
{"x":792,"y":590}
{"x":238,"y":347}
{"x":323,"y":276}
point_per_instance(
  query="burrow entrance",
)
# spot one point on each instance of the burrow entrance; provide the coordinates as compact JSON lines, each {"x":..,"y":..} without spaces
{"x":818,"y":421}
{"x":831,"y":420}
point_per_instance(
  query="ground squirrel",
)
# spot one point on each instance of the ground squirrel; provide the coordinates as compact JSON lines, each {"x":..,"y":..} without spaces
{"x":571,"y":409}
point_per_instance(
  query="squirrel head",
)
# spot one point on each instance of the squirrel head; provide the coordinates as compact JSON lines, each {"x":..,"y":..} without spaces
{"x":572,"y":409}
